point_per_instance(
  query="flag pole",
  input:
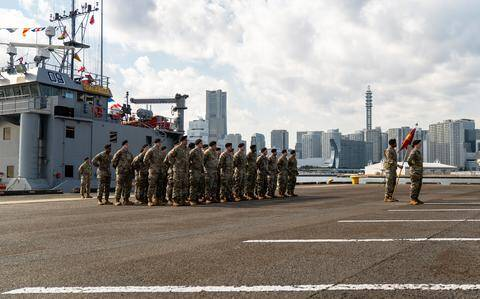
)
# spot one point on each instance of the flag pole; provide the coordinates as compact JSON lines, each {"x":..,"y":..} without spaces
{"x":406,"y":155}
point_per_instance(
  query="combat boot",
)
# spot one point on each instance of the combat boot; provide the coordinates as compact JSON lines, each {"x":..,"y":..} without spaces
{"x":192,"y":203}
{"x":237,"y":198}
{"x":175,"y":204}
{"x":388,"y":199}
{"x":223,"y":199}
{"x":107,"y":202}
{"x":127,"y":203}
{"x":117,"y":202}
{"x":420,"y":202}
{"x":414,"y":202}
{"x":100,"y":202}
{"x":89,"y":196}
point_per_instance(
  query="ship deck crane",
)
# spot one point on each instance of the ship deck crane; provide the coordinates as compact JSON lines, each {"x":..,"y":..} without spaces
{"x":178,"y":100}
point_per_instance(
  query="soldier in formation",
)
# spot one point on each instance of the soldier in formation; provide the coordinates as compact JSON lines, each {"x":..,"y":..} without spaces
{"x":191,"y":175}
{"x":122,"y":162}
{"x":390,"y":165}
{"x":272,"y":173}
{"x":292,"y":173}
{"x":197,"y":176}
{"x":85,"y":172}
{"x":141,"y":176}
{"x":225,"y":167}
{"x":251,"y":173}
{"x":262,"y":174}
{"x":415,"y":161}
{"x":102,"y":162}
{"x":282,"y":174}
{"x":211,"y":177}
{"x":239,"y":164}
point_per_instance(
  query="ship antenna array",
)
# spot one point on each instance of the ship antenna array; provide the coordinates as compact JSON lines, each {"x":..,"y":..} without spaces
{"x":84,"y":11}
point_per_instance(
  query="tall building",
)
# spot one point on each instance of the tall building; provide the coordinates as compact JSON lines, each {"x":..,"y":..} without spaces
{"x":326,"y":145}
{"x":399,"y":134}
{"x":368,"y":106}
{"x":298,"y":144}
{"x":279,"y":139}
{"x":311,"y":145}
{"x":452,"y":142}
{"x":216,"y":114}
{"x":198,"y":128}
{"x":258,"y":140}
{"x":374,"y":137}
{"x":352,"y":154}
{"x":357,"y":136}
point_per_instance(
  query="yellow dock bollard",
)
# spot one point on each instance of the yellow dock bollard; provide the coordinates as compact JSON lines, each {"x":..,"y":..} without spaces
{"x":355,"y":179}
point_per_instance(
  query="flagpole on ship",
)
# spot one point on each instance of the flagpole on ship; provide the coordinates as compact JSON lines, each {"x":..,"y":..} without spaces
{"x":72,"y":58}
{"x":408,"y":140}
{"x":101,"y":42}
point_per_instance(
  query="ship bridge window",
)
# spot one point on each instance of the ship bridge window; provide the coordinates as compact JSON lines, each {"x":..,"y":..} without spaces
{"x":7,"y":133}
{"x":8,"y":92}
{"x":17,"y":91}
{"x":10,"y":171}
{"x":70,"y":132}
{"x":34,"y":90}
{"x":25,"y":90}
{"x":69,"y":171}
{"x":2,"y":93}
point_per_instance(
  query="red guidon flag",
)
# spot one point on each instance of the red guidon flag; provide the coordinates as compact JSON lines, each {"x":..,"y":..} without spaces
{"x":92,"y":20}
{"x":408,"y":140}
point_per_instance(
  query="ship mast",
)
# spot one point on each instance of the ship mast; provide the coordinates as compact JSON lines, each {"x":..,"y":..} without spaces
{"x":101,"y":42}
{"x":85,"y":11}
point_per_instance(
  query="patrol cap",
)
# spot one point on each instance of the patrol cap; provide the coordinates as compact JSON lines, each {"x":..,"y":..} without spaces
{"x":157,"y":140}
{"x":144,"y":146}
{"x":124,"y":142}
{"x":212,"y":143}
{"x":86,"y":159}
{"x":292,"y":152}
{"x":107,"y":146}
{"x":273,"y":150}
{"x":240,"y":145}
{"x":198,"y":141}
{"x":284,"y":151}
{"x":392,"y":141}
{"x":228,"y":144}
{"x":263,"y":149}
{"x":415,"y":142}
{"x":191,"y":145}
{"x":253,"y":147}
{"x":183,"y":138}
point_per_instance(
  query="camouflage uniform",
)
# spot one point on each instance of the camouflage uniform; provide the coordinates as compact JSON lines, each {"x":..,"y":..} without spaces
{"x":169,"y":177}
{"x":390,"y":166}
{"x":211,"y":178}
{"x":251,"y":173}
{"x":141,"y":178}
{"x":85,"y":172}
{"x":162,"y":180}
{"x":197,"y":175}
{"x":102,"y":162}
{"x":240,"y":164}
{"x":282,"y":175}
{"x":225,"y":166}
{"x":122,"y":162}
{"x":179,"y":162}
{"x":262,"y":175}
{"x":292,"y":175}
{"x":154,"y":160}
{"x":272,"y":174}
{"x":415,"y":161}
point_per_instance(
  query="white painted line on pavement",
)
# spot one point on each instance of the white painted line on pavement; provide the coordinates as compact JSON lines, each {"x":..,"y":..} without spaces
{"x":434,"y":210}
{"x":364,"y":240}
{"x":10,"y":202}
{"x":452,"y":203}
{"x":408,"y":220}
{"x":246,"y":289}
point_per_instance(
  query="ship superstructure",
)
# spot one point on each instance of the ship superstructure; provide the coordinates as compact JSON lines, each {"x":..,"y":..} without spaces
{"x":52,"y":117}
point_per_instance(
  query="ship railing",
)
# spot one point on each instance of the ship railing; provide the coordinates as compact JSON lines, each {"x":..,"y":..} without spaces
{"x":24,"y":103}
{"x":99,"y":80}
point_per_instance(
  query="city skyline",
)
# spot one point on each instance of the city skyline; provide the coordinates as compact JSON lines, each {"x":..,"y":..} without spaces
{"x":313,"y":76}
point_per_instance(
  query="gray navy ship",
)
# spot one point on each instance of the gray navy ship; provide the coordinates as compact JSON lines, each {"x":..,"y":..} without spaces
{"x":52,"y":116}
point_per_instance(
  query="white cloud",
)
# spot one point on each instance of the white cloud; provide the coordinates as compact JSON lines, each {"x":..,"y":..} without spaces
{"x":306,"y":64}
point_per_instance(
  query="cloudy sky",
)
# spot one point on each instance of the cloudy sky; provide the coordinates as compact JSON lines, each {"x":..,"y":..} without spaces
{"x":296,"y":65}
